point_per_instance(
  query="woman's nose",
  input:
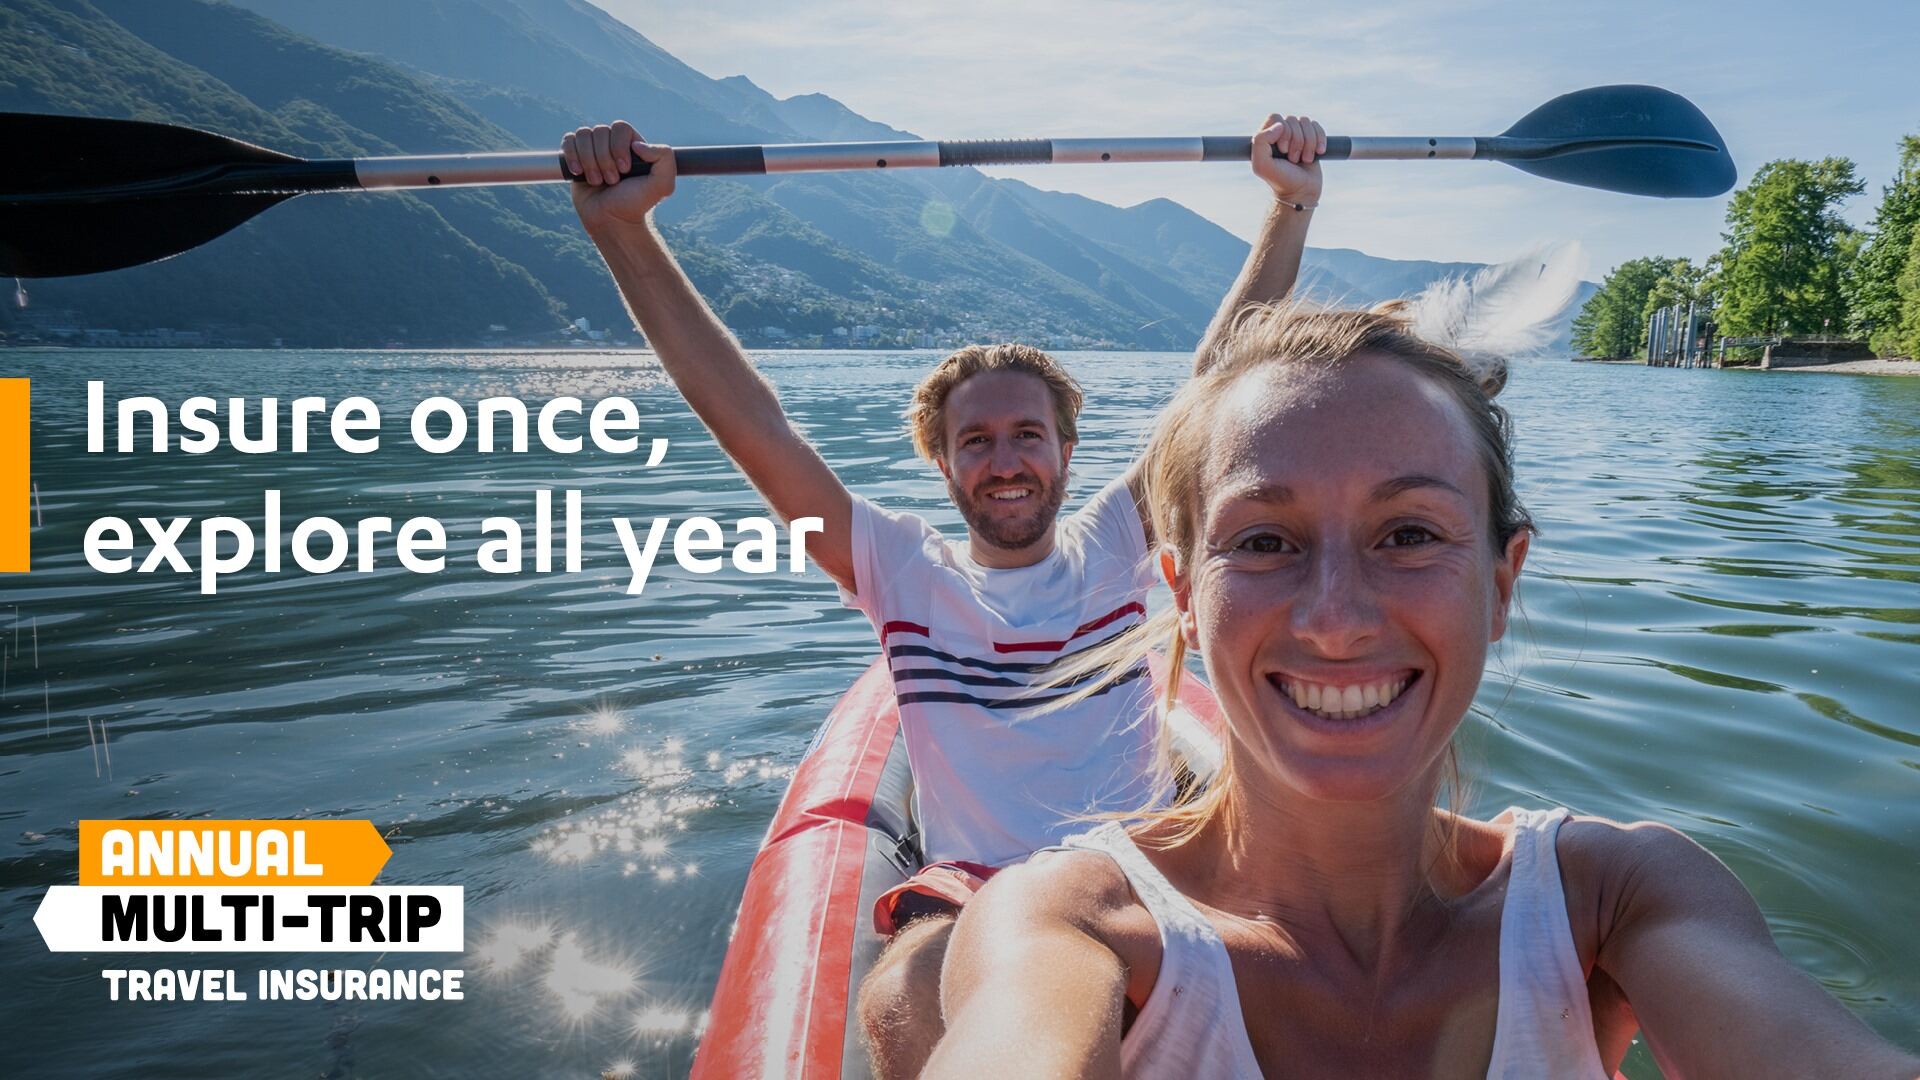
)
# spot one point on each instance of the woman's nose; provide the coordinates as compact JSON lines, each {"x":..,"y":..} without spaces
{"x":1336,"y":612}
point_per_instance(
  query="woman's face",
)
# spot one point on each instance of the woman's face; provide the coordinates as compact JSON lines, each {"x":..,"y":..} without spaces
{"x":1344,"y":588}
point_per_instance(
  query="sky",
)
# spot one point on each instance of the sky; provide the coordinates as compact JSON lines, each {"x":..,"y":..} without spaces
{"x":1778,"y":79}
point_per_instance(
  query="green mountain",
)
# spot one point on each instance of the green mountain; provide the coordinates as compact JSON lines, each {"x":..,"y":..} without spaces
{"x":319,"y":271}
{"x":566,"y":51}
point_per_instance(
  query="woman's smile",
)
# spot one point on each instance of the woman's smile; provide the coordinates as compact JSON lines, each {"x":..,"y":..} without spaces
{"x":1381,"y":708}
{"x":1347,"y":698}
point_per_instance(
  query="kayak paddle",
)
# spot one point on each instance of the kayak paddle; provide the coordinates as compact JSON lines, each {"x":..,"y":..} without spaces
{"x":79,"y":195}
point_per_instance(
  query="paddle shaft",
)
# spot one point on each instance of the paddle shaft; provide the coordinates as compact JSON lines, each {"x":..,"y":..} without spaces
{"x":538,"y":166}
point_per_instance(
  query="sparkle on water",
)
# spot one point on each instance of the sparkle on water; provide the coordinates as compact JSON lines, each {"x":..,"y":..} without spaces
{"x":656,"y":1020}
{"x":508,"y":944}
{"x":603,"y":720}
{"x":578,"y":981}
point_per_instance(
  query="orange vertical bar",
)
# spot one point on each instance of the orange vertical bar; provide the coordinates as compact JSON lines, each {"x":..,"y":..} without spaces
{"x":16,"y":474}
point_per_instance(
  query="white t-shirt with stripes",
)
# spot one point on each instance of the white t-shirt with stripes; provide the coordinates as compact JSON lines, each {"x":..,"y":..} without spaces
{"x":971,"y":649}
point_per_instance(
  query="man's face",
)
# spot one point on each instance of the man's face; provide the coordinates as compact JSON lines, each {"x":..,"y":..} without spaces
{"x":1006,"y":466}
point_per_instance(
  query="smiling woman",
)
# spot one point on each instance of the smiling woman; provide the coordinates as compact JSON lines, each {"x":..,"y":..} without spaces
{"x":1335,"y":505}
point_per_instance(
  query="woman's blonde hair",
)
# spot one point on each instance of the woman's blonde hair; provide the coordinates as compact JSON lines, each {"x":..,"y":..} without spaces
{"x":927,"y":413}
{"x":1295,"y":335}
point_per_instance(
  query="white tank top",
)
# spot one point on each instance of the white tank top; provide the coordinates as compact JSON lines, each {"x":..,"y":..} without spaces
{"x":1191,"y":1025}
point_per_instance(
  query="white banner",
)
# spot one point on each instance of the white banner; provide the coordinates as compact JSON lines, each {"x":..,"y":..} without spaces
{"x":371,"y":918}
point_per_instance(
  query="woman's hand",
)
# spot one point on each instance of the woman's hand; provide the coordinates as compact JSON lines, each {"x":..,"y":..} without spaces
{"x":606,"y":193}
{"x":1294,"y":173}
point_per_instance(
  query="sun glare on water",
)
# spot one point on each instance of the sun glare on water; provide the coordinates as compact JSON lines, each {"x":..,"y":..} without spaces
{"x":510,"y":943}
{"x":603,"y":720}
{"x":657,"y":1021}
{"x":578,"y":981}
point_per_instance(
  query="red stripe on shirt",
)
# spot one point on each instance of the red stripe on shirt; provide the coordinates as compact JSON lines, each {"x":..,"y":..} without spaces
{"x":1121,"y":612}
{"x":1135,"y":608}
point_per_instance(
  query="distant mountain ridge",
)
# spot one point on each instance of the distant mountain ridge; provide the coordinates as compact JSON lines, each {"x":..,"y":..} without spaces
{"x":921,"y":257}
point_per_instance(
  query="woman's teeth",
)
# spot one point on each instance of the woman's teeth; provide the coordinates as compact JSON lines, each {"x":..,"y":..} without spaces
{"x":1344,"y":702}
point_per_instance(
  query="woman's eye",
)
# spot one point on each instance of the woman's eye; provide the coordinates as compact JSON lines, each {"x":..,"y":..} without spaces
{"x":1410,"y":536}
{"x":1262,"y":544}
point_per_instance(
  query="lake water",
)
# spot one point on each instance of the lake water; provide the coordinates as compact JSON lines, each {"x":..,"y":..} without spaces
{"x":1721,"y":630}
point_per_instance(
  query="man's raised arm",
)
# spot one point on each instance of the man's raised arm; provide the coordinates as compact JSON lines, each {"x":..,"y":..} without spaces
{"x":733,"y":399}
{"x":1274,"y":261}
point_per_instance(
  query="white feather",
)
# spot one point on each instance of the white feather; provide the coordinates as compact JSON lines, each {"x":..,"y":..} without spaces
{"x":1501,"y":312}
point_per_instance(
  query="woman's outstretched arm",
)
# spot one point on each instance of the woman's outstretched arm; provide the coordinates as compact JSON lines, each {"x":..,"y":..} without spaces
{"x":1713,"y":994}
{"x":1028,"y":990}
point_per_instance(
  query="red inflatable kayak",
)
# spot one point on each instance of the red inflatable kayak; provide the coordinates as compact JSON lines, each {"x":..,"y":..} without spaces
{"x":842,"y":836}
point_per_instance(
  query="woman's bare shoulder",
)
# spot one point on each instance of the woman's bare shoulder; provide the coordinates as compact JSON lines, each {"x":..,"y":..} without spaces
{"x":1592,"y":846}
{"x":1605,"y":865}
{"x":1602,"y":846}
{"x":1617,"y":873}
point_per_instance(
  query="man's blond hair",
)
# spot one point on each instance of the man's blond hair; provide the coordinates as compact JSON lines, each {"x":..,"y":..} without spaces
{"x":927,"y":414}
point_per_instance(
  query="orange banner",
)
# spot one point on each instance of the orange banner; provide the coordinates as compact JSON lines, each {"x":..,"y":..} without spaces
{"x":174,"y":853}
{"x":16,"y":477}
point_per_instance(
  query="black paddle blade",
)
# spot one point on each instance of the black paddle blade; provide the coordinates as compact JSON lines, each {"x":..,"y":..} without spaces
{"x":88,"y":236}
{"x":1640,"y":140}
{"x":76,"y":154}
{"x":79,"y":194}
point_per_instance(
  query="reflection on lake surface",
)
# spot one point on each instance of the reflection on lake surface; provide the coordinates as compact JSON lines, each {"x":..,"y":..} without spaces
{"x":1720,"y":630}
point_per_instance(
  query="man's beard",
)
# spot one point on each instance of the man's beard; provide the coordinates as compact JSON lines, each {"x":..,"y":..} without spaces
{"x":1017,"y":533}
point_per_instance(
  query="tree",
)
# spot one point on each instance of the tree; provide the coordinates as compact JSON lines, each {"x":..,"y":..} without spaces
{"x":1683,"y":283}
{"x":1613,"y":321}
{"x":1873,"y":289}
{"x":1907,"y":340}
{"x":1786,"y":249}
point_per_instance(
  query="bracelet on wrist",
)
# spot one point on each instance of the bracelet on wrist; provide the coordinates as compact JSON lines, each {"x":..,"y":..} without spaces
{"x":1302,"y":207}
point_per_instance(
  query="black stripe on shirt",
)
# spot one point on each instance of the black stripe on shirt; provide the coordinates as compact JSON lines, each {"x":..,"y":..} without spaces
{"x":969,"y":679}
{"x":1019,"y":701}
{"x":1030,"y":668}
